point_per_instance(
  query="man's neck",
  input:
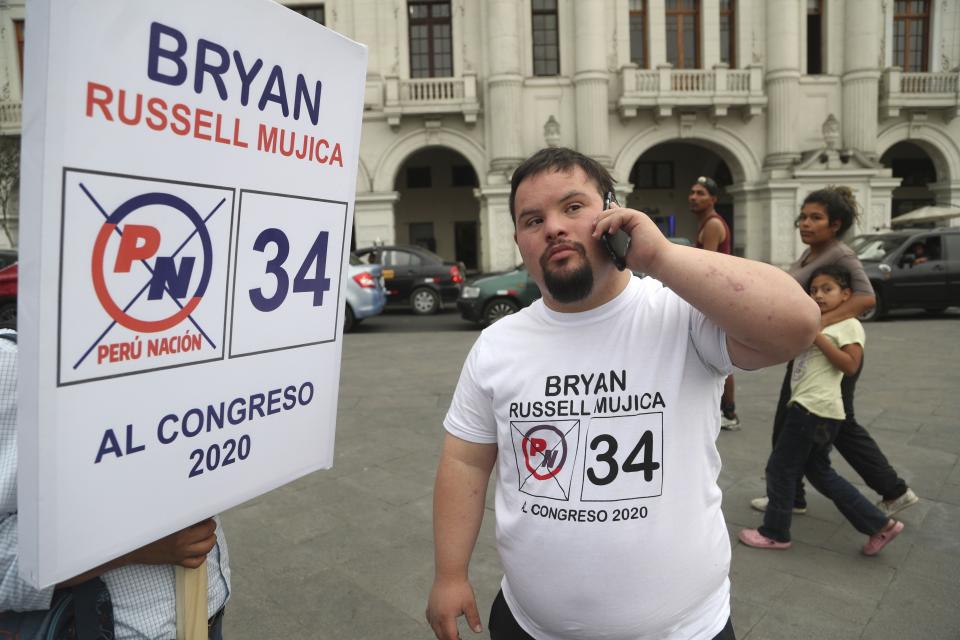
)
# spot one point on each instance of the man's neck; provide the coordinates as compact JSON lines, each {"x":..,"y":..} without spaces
{"x":703,"y":215}
{"x":607,"y":287}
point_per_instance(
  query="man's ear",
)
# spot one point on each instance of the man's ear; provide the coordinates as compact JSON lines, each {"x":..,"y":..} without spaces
{"x":515,"y":237}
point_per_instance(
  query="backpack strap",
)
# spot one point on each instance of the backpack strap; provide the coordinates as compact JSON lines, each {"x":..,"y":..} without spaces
{"x":93,"y":610}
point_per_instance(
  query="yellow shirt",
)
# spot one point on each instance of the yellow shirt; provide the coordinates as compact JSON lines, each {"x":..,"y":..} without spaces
{"x":815,"y":383}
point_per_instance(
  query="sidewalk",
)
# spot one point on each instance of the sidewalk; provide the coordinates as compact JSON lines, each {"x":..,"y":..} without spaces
{"x":347,"y":553}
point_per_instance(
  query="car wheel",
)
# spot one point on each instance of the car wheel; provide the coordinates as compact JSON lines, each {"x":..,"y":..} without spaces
{"x":348,"y":320}
{"x":8,"y":312}
{"x":870,"y":315}
{"x":424,"y":301}
{"x":498,"y":308}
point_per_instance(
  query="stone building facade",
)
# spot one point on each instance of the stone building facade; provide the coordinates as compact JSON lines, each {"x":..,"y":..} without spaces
{"x":773,"y":98}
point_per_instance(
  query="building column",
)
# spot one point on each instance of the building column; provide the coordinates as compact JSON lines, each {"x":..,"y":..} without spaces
{"x":590,"y":80}
{"x":373,"y":218}
{"x":657,"y":33}
{"x":877,"y":210}
{"x":763,"y":221}
{"x":947,"y":194}
{"x":741,"y":218}
{"x":498,"y":250}
{"x":504,"y":86}
{"x":710,"y":33}
{"x":861,"y":76}
{"x":365,"y":31}
{"x":783,"y":82}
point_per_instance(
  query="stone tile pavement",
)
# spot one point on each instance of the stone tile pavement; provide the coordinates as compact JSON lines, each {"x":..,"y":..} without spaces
{"x":347,"y":553}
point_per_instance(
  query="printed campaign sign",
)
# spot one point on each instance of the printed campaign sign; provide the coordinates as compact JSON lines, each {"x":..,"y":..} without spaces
{"x":188,"y":184}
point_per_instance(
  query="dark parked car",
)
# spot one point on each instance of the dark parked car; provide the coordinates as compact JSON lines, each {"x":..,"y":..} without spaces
{"x":917,"y":268}
{"x":489,"y":298}
{"x":416,"y":277}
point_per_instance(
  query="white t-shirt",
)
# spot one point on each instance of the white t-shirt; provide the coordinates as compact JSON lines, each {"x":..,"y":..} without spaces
{"x":608,"y":510}
{"x":815,"y":382}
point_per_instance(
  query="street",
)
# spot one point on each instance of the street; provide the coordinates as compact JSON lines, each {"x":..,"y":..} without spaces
{"x":347,"y":553}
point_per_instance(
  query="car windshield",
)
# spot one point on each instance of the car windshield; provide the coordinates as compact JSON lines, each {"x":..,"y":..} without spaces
{"x":876,"y":247}
{"x":859,"y":241}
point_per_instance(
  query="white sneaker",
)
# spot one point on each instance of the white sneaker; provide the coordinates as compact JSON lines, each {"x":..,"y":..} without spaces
{"x":890,"y":507}
{"x":729,"y":424}
{"x":760,"y":504}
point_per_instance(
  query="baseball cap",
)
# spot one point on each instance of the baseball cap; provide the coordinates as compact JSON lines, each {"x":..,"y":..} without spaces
{"x":709,"y":184}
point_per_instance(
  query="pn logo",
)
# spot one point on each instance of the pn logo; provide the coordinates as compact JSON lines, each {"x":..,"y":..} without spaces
{"x":141,"y":243}
{"x":143,"y":274}
{"x":540,"y":453}
{"x":542,"y":450}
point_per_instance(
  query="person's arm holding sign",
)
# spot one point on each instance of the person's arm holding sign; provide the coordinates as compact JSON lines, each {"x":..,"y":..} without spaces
{"x":186,"y":548}
{"x":458,"y":501}
{"x":766,"y":316}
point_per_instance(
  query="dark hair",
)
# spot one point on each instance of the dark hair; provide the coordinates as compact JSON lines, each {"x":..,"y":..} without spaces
{"x":559,"y":159}
{"x":709,"y":184}
{"x":839,"y":203}
{"x":835,"y":271}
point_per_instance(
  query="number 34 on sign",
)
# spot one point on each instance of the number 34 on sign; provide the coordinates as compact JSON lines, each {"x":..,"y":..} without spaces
{"x":283,"y":245}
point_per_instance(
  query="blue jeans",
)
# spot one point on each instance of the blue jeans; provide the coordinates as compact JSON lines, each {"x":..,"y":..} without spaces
{"x":854,"y":443}
{"x":803,"y":448}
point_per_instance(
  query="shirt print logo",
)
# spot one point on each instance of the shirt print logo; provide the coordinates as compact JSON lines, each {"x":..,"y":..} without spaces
{"x":542,"y":450}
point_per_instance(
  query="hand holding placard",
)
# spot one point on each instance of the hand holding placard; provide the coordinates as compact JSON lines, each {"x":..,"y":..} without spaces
{"x":186,"y":548}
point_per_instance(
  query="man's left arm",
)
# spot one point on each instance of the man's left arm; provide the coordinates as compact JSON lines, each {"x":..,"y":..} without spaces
{"x":767,"y":316}
{"x":712,"y":235}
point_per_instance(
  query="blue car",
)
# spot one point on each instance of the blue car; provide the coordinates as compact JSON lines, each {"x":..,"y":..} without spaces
{"x":365,"y":295}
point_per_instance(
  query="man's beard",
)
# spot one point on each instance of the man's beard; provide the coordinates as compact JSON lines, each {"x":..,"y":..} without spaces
{"x":570,"y":285}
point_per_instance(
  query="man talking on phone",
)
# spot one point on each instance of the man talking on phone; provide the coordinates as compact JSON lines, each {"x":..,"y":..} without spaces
{"x":598,"y":405}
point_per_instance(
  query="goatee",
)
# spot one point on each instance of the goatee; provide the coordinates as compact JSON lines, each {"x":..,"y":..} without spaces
{"x":568,"y":285}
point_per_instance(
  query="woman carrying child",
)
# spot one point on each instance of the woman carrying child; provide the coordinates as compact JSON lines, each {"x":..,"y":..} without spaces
{"x":814,"y":417}
{"x":824,"y":218}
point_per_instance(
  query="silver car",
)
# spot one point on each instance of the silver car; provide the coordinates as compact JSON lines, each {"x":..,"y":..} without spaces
{"x":365,"y":293}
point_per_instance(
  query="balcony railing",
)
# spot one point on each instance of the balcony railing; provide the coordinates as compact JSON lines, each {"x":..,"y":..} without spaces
{"x":427,"y":96}
{"x":663,"y":89}
{"x":919,"y":91}
{"x":10,"y":118}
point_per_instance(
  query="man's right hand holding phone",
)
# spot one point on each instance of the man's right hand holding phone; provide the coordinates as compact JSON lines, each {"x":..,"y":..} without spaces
{"x":647,"y":242}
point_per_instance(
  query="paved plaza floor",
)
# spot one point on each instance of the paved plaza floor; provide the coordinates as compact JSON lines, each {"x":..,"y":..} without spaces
{"x":347,"y":553}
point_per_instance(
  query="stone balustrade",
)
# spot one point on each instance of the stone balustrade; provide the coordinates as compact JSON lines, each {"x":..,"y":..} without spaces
{"x":10,"y":118}
{"x":426,"y":97}
{"x":664,"y":89}
{"x":916,"y":91}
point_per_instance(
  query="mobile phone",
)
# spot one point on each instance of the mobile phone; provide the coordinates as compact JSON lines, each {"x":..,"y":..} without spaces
{"x":617,"y":244}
